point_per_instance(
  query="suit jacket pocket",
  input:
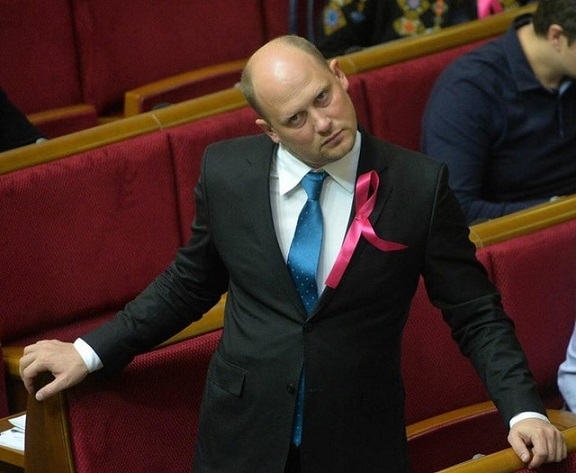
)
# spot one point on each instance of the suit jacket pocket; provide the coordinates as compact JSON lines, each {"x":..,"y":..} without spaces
{"x":227,"y":376}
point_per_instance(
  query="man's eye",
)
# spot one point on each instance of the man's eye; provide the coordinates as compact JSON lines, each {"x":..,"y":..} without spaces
{"x":295,"y":119}
{"x":322,"y":97}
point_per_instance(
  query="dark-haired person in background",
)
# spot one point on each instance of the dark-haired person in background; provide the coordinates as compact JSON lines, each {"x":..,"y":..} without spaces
{"x":503,"y":117}
{"x":15,"y":128}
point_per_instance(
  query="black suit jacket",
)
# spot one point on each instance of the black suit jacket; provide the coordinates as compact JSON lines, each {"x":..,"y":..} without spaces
{"x":349,"y":346}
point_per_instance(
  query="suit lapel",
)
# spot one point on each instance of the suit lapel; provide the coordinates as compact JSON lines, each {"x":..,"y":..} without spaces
{"x":257,"y":192}
{"x":371,"y":159}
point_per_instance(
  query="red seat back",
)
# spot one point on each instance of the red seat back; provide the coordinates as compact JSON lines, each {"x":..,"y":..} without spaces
{"x":86,"y":234}
{"x":536,"y":274}
{"x":398,"y":94}
{"x":146,"y":419}
{"x":38,"y":65}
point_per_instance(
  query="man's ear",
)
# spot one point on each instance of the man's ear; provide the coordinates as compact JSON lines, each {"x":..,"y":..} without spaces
{"x":555,"y":35}
{"x":334,"y":66}
{"x":266,"y":128}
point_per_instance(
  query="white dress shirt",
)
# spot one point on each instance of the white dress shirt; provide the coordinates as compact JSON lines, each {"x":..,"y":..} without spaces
{"x":287,"y":198}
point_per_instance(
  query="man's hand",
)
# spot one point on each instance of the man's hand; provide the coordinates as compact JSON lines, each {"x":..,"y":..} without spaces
{"x":536,"y":441}
{"x":59,"y":358}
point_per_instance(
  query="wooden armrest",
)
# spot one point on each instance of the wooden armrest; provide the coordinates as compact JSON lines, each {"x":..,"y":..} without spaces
{"x":481,"y":426}
{"x":47,"y":440}
{"x":62,"y":113}
{"x":505,"y":461}
{"x":192,"y":84}
{"x":212,"y":320}
{"x":563,"y":420}
{"x":201,"y":107}
{"x":75,"y":143}
{"x":524,"y":221}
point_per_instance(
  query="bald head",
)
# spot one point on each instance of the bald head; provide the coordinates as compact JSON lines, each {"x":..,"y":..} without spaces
{"x":275,"y":61}
{"x":301,"y":99}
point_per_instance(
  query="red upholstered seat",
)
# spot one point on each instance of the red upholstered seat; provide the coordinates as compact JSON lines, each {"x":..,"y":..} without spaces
{"x":39,"y":68}
{"x":125,"y":45}
{"x":87,"y":233}
{"x":146,"y":418}
{"x":38,"y":65}
{"x":536,"y":275}
{"x":396,"y":115}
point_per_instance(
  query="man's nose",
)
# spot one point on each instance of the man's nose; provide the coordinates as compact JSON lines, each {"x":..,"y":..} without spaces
{"x":322,"y":122}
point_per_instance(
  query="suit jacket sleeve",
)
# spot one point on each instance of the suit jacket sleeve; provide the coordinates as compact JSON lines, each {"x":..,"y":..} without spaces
{"x":473,"y":309}
{"x":189,"y":287}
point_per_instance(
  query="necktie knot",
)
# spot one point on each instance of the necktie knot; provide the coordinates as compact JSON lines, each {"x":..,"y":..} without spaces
{"x":312,"y":184}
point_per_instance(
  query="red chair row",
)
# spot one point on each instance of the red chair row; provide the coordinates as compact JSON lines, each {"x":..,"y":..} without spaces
{"x":62,"y":53}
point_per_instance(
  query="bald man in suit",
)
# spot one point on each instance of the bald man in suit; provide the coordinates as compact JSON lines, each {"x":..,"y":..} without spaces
{"x":388,"y":217}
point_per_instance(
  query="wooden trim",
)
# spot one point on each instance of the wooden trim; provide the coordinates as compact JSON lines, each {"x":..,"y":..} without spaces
{"x":405,"y":49}
{"x":523,"y":222}
{"x":75,"y":143}
{"x":63,"y":112}
{"x":201,"y":107}
{"x":505,"y":461}
{"x":231,"y":99}
{"x":212,"y":320}
{"x":563,"y":420}
{"x":48,"y":445}
{"x":134,"y":98}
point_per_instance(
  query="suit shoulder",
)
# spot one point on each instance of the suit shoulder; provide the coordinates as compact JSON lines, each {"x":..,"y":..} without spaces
{"x":236,"y":144}
{"x":404,"y":159}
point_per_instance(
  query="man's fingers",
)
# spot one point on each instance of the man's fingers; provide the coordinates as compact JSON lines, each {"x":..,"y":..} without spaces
{"x":537,"y":442}
{"x":58,"y":358}
{"x":520,"y":448}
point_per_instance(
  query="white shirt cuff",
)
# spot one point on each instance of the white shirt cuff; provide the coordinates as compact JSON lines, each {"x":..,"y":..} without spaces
{"x":89,"y":356}
{"x":527,"y":415}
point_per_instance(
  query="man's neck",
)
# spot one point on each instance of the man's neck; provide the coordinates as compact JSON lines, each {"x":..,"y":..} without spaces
{"x":541,"y":57}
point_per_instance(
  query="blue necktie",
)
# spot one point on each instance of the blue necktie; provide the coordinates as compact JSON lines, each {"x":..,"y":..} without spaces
{"x":303,"y":264}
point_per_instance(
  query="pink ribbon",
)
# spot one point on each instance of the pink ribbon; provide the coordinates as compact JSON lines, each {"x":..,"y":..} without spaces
{"x":361,"y":226}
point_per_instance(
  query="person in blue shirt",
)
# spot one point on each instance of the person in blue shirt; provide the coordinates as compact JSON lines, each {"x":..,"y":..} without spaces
{"x":503,"y":117}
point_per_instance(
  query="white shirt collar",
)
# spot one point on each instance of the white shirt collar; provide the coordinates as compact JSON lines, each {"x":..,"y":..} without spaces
{"x":291,"y":170}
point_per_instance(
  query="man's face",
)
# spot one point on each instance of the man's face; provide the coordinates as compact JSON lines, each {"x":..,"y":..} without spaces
{"x":308,"y":110}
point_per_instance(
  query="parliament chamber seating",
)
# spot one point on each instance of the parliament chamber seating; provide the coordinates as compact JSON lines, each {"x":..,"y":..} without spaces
{"x":71,"y":64}
{"x":95,"y":215}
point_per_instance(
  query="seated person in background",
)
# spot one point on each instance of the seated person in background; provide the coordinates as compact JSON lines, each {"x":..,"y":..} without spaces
{"x":567,"y":375}
{"x":503,"y":117}
{"x":15,"y":128}
{"x":350,"y":25}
